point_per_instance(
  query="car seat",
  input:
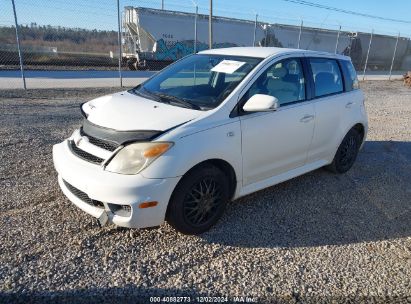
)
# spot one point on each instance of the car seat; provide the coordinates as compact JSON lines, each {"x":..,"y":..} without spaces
{"x":277,"y":86}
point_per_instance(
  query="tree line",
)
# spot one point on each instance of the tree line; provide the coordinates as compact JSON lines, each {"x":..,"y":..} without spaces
{"x":64,"y":38}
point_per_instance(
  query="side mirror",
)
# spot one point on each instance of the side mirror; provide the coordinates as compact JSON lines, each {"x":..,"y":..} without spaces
{"x":261,"y":103}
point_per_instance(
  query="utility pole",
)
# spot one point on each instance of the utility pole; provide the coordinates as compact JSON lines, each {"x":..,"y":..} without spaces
{"x":210,"y":26}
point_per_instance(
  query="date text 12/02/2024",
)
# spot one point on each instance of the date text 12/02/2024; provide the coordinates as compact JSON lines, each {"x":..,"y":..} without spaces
{"x":203,"y":299}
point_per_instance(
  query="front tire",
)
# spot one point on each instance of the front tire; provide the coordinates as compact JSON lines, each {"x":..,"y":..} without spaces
{"x":347,"y":153}
{"x":199,"y":200}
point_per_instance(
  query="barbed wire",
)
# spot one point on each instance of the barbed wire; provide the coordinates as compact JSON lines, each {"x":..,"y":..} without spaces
{"x":349,"y":12}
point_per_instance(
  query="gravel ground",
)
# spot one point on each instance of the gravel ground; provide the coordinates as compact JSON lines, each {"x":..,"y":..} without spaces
{"x":317,"y":238}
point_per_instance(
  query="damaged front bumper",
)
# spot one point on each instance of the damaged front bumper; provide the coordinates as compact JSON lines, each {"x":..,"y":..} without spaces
{"x":111,"y":197}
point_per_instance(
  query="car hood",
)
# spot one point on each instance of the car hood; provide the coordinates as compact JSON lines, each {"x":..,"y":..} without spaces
{"x":125,"y":111}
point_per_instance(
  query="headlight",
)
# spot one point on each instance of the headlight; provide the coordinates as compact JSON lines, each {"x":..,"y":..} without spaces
{"x":135,"y":157}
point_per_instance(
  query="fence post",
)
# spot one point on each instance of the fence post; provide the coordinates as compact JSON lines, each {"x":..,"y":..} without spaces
{"x":162,"y":4}
{"x":393,"y":56}
{"x":338,"y":38}
{"x":195,"y":30}
{"x":368,"y":54}
{"x":255,"y":29}
{"x":210,"y":26}
{"x":299,"y":34}
{"x":120,"y":49}
{"x":349,"y":48}
{"x":18,"y":46}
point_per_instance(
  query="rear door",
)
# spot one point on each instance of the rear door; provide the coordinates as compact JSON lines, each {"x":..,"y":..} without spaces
{"x":333,"y":104}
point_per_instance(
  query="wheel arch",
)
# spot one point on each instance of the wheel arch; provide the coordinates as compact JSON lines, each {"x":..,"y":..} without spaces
{"x":221,"y":164}
{"x":224,"y":166}
{"x":360,"y":129}
{"x":359,"y":126}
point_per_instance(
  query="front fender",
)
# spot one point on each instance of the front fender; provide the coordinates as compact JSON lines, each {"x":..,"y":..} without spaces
{"x":218,"y":142}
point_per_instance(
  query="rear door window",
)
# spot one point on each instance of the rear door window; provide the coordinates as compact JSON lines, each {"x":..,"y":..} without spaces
{"x":327,"y":76}
{"x":350,"y":75}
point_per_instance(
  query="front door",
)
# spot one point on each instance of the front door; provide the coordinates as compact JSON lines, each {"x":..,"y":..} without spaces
{"x":278,"y":141}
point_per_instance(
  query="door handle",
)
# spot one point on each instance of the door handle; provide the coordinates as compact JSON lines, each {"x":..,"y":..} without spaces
{"x":307,"y":118}
{"x":349,"y":104}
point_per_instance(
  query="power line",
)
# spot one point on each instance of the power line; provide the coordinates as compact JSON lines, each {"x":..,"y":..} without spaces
{"x":340,"y":10}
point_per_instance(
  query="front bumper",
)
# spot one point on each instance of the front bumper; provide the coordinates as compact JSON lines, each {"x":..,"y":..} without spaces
{"x":112,"y":188}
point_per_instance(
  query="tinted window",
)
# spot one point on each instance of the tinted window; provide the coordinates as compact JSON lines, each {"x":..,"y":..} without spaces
{"x":327,"y":76}
{"x":350,"y":75}
{"x":283,"y":80}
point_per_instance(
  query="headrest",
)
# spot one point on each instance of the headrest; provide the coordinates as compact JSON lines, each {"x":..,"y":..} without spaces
{"x":279,"y":72}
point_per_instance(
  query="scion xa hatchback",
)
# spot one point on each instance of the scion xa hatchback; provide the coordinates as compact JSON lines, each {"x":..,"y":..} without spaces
{"x":208,"y":129}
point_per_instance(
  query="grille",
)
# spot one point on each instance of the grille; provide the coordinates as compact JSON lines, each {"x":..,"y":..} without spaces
{"x":83,"y":196}
{"x":83,"y":154}
{"x":99,"y":142}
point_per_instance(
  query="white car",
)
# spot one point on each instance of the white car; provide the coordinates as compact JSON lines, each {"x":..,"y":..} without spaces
{"x":208,"y":129}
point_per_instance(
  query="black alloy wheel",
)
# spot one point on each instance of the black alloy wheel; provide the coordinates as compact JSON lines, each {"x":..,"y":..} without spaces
{"x":199,"y":200}
{"x":347,"y":152}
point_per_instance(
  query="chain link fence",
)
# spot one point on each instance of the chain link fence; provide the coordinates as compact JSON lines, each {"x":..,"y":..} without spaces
{"x":60,"y":35}
{"x":115,"y":37}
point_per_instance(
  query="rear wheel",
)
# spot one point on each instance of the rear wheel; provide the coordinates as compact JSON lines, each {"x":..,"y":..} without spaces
{"x":199,"y":200}
{"x":347,"y":152}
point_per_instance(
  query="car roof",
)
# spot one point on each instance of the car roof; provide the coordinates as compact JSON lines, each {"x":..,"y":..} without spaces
{"x":266,"y":52}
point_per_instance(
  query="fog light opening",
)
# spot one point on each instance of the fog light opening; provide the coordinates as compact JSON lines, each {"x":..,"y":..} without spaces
{"x":120,"y":210}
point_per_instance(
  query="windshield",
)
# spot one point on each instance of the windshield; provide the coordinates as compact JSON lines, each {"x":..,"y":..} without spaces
{"x":198,"y":81}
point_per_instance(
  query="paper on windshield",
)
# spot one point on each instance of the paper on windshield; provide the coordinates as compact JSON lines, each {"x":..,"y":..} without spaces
{"x":227,"y":66}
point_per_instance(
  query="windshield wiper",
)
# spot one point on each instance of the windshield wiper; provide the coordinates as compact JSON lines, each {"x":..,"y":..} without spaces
{"x":141,"y":91}
{"x":164,"y":98}
{"x":180,"y":101}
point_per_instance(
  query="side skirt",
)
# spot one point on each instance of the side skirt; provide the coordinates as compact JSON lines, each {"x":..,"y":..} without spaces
{"x":271,"y":181}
